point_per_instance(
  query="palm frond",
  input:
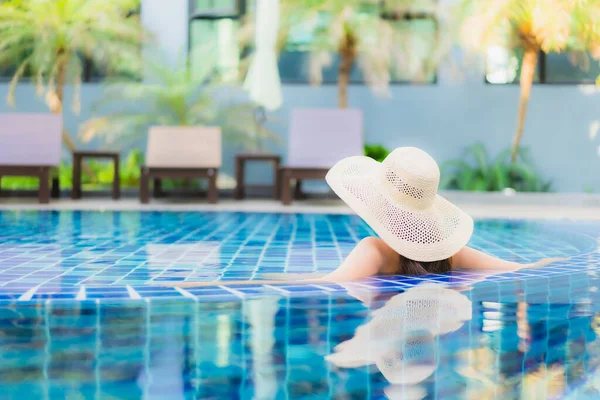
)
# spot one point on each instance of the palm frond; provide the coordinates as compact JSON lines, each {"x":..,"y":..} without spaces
{"x":177,"y":97}
{"x":77,"y":69}
{"x":554,"y":25}
{"x":46,"y":31}
{"x":479,"y":153}
{"x":15,"y":79}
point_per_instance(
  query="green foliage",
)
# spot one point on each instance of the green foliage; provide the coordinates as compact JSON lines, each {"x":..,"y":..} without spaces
{"x":103,"y":174}
{"x":102,"y":178}
{"x":174,"y":97}
{"x":376,"y":151}
{"x":588,"y":189}
{"x":477,"y":172}
{"x":19,"y":182}
{"x":130,"y":169}
{"x":49,"y":39}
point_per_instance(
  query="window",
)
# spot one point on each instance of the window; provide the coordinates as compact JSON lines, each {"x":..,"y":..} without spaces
{"x":416,"y":32}
{"x":215,"y":25}
{"x":569,"y":68}
{"x":504,"y":66}
{"x":213,"y":36}
{"x":217,"y":8}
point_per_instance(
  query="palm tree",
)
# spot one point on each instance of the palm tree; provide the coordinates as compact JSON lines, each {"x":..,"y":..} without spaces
{"x":362,"y":34}
{"x":533,"y":26}
{"x":173,"y":96}
{"x":52,"y":38}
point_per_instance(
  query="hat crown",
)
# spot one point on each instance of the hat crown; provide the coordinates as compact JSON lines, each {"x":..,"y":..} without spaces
{"x":411,"y":176}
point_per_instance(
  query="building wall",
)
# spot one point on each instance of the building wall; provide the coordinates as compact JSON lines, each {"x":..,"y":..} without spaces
{"x":442,"y":119}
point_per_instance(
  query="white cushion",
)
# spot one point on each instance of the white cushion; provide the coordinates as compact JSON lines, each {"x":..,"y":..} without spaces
{"x":184,"y":147}
{"x":30,"y":139}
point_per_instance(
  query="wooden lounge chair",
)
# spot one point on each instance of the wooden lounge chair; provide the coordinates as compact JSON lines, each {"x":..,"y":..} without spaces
{"x":181,"y":152}
{"x":30,"y":145}
{"x":318,"y":139}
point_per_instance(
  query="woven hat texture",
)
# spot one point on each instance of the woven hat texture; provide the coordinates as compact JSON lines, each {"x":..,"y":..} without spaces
{"x":399,"y":199}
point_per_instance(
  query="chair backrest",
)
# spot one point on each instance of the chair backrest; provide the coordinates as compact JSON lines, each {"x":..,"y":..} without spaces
{"x":320,"y":137}
{"x":30,"y":139}
{"x":184,"y":147}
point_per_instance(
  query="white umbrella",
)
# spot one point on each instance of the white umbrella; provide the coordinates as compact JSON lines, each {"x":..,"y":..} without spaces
{"x":262,"y":81}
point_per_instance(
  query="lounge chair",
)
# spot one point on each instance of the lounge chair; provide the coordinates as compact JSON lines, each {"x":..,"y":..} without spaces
{"x":318,"y":139}
{"x":30,"y":145}
{"x":181,"y":152}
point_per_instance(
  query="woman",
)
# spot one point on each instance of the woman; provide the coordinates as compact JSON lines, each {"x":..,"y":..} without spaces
{"x":419,"y":231}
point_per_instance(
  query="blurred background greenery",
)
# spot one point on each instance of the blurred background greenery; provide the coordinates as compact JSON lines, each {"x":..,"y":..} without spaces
{"x":60,"y":44}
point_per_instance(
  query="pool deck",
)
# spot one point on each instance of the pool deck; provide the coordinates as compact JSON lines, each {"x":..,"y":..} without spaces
{"x":478,"y":205}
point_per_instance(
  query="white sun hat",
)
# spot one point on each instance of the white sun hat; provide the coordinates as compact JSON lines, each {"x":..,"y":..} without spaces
{"x":398,"y":199}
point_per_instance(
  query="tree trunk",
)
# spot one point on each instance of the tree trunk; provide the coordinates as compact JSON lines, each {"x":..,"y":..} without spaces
{"x":527,"y":73}
{"x":57,"y":108}
{"x":61,"y":77}
{"x":347,"y":51}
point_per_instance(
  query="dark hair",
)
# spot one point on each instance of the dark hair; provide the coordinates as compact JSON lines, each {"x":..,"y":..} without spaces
{"x":411,"y":267}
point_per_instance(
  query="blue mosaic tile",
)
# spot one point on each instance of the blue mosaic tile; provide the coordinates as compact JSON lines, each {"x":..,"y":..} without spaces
{"x":104,"y":252}
{"x":209,"y":291}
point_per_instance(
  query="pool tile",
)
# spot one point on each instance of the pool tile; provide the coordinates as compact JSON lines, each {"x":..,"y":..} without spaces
{"x":107,"y":251}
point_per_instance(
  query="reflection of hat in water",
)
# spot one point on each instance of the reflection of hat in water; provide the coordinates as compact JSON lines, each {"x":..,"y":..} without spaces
{"x":411,"y":361}
{"x":398,"y":199}
{"x":399,"y":339}
{"x":400,"y":392}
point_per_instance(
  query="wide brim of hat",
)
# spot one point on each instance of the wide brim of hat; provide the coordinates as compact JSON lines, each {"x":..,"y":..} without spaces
{"x":356,"y":180}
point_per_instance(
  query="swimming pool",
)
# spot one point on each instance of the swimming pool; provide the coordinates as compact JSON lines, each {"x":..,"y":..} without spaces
{"x":83,"y":313}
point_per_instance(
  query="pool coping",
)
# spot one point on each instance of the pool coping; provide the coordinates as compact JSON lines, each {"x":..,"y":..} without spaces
{"x":478,"y":205}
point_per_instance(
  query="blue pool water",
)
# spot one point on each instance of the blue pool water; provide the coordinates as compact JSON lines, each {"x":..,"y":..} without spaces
{"x":84,"y":313}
